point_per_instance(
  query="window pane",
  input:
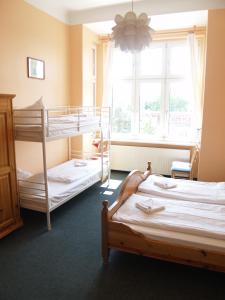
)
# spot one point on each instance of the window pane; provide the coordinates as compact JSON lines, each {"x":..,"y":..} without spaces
{"x":150,"y":105}
{"x":151,"y":61}
{"x":122,"y":64}
{"x":122,"y":103}
{"x":179,"y":111}
{"x":177,"y":59}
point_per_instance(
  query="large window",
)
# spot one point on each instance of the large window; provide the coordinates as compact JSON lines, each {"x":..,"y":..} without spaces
{"x":151,"y":94}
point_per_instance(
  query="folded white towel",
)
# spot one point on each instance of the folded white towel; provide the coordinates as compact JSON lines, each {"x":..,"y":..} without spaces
{"x":80,"y":163}
{"x":165,"y":185}
{"x":149,"y":207}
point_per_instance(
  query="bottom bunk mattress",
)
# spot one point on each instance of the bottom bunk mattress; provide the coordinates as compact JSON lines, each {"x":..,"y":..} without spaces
{"x":64,"y":182}
{"x":183,"y":222}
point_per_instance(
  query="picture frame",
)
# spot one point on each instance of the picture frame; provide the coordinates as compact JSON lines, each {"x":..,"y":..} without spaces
{"x":35,"y":68}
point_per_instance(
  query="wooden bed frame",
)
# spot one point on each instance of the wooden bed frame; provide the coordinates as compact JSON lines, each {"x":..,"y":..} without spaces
{"x":117,"y":235}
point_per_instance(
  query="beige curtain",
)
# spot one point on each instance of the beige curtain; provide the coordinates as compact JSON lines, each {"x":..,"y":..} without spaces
{"x":196,"y":63}
{"x":108,"y":76}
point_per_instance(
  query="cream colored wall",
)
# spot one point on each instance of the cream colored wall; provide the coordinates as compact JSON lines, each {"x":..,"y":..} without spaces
{"x":76,"y":64}
{"x":90,"y":41}
{"x":67,"y":52}
{"x":101,"y":51}
{"x":82,"y":41}
{"x":26,"y":31}
{"x":76,"y":58}
{"x":212,"y":154}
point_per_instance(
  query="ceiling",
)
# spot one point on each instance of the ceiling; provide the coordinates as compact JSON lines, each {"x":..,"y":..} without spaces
{"x":87,"y":11}
{"x":160,"y":22}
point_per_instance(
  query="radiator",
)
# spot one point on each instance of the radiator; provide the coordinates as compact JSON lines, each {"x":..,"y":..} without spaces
{"x":127,"y":158}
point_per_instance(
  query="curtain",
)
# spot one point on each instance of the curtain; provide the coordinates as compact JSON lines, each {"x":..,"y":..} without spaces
{"x":108,"y":75}
{"x":195,"y":62}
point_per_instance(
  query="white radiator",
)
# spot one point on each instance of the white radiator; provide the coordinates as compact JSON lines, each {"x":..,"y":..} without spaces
{"x":127,"y":158}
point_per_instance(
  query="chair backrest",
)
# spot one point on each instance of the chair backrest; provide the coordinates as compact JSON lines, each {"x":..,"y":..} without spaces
{"x":105,"y":146}
{"x":194,"y":155}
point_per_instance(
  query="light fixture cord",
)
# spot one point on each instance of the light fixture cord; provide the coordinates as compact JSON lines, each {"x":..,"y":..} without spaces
{"x":132,"y":5}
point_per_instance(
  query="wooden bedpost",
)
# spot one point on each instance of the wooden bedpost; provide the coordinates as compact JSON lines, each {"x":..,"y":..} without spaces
{"x":105,"y":248}
{"x":149,"y":168}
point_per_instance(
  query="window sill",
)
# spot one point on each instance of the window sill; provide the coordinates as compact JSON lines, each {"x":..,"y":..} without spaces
{"x":153,"y":144}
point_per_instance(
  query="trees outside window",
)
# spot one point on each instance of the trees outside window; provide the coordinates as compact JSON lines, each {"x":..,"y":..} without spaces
{"x":151,"y":95}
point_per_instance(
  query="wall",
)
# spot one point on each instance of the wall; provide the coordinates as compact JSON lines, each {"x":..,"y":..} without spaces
{"x":212,"y":154}
{"x":101,"y":60}
{"x":82,"y":41}
{"x":76,"y":64}
{"x":90,"y":41}
{"x":76,"y":72}
{"x":128,"y":158}
{"x":26,"y":31}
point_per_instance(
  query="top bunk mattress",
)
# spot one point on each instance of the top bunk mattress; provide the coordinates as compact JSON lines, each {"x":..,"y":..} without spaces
{"x":56,"y":127}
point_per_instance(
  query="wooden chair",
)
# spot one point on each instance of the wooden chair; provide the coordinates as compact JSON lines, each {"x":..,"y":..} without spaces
{"x":184,"y":169}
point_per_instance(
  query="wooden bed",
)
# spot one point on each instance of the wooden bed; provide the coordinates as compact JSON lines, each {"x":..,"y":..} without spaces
{"x":119,"y":236}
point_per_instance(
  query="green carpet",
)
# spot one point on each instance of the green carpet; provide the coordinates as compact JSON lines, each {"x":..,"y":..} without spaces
{"x":65,"y":263}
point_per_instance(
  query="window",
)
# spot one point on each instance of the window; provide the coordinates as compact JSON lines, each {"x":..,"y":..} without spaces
{"x":151,"y":96}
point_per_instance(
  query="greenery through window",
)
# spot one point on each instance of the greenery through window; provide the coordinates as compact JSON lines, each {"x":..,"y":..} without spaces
{"x":151,"y":97}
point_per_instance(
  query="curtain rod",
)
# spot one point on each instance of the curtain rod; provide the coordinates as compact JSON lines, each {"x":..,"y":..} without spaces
{"x":198,"y":30}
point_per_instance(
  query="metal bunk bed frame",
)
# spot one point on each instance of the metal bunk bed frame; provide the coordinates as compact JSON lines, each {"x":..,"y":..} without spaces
{"x":42,"y":119}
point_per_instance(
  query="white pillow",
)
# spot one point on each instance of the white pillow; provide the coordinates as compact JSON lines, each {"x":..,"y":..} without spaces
{"x":22,"y":116}
{"x":22,"y":174}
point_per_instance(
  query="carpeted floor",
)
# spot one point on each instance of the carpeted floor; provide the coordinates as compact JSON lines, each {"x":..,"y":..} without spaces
{"x":65,"y":263}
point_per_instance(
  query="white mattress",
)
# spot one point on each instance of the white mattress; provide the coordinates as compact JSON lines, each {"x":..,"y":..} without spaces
{"x":58,"y":127}
{"x":58,"y":191}
{"x":205,"y":192}
{"x":181,"y":221}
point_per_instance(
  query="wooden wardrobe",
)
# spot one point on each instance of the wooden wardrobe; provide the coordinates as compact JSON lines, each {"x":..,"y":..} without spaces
{"x":9,"y":203}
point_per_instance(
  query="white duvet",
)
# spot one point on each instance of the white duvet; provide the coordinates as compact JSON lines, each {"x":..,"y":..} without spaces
{"x":197,"y":191}
{"x":69,"y":171}
{"x":57,"y":126}
{"x":200,"y":219}
{"x":63,"y":180}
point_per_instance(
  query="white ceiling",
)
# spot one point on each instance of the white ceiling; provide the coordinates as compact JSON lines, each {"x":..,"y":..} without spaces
{"x":160,"y":22}
{"x":87,"y":11}
{"x":77,"y":4}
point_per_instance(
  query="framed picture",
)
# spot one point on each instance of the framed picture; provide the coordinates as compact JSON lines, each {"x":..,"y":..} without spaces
{"x":35,"y":68}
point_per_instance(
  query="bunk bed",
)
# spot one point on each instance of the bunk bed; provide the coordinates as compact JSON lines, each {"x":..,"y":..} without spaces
{"x":51,"y":188}
{"x":188,"y":231}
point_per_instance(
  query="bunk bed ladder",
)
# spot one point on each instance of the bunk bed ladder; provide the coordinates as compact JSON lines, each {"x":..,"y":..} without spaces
{"x":109,"y":145}
{"x":45,"y":169}
{"x":101,"y":148}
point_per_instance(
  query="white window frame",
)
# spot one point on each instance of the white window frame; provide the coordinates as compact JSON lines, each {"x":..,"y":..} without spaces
{"x":165,"y":78}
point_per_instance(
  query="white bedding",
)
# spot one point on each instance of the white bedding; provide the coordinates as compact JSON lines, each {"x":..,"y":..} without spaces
{"x":57,"y":191}
{"x":69,"y":171}
{"x":197,"y":219}
{"x":205,"y":192}
{"x":58,"y":126}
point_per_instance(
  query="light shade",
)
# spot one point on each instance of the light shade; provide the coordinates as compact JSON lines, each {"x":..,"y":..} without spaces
{"x":132,"y":33}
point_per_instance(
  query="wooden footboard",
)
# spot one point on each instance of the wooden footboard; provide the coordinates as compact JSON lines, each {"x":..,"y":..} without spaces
{"x":121,"y":237}
{"x":128,"y":188}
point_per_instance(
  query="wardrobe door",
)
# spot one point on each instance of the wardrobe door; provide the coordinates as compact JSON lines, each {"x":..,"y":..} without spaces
{"x":9,"y":208}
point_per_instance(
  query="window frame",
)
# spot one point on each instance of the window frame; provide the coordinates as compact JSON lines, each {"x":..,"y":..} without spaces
{"x":164,"y":78}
